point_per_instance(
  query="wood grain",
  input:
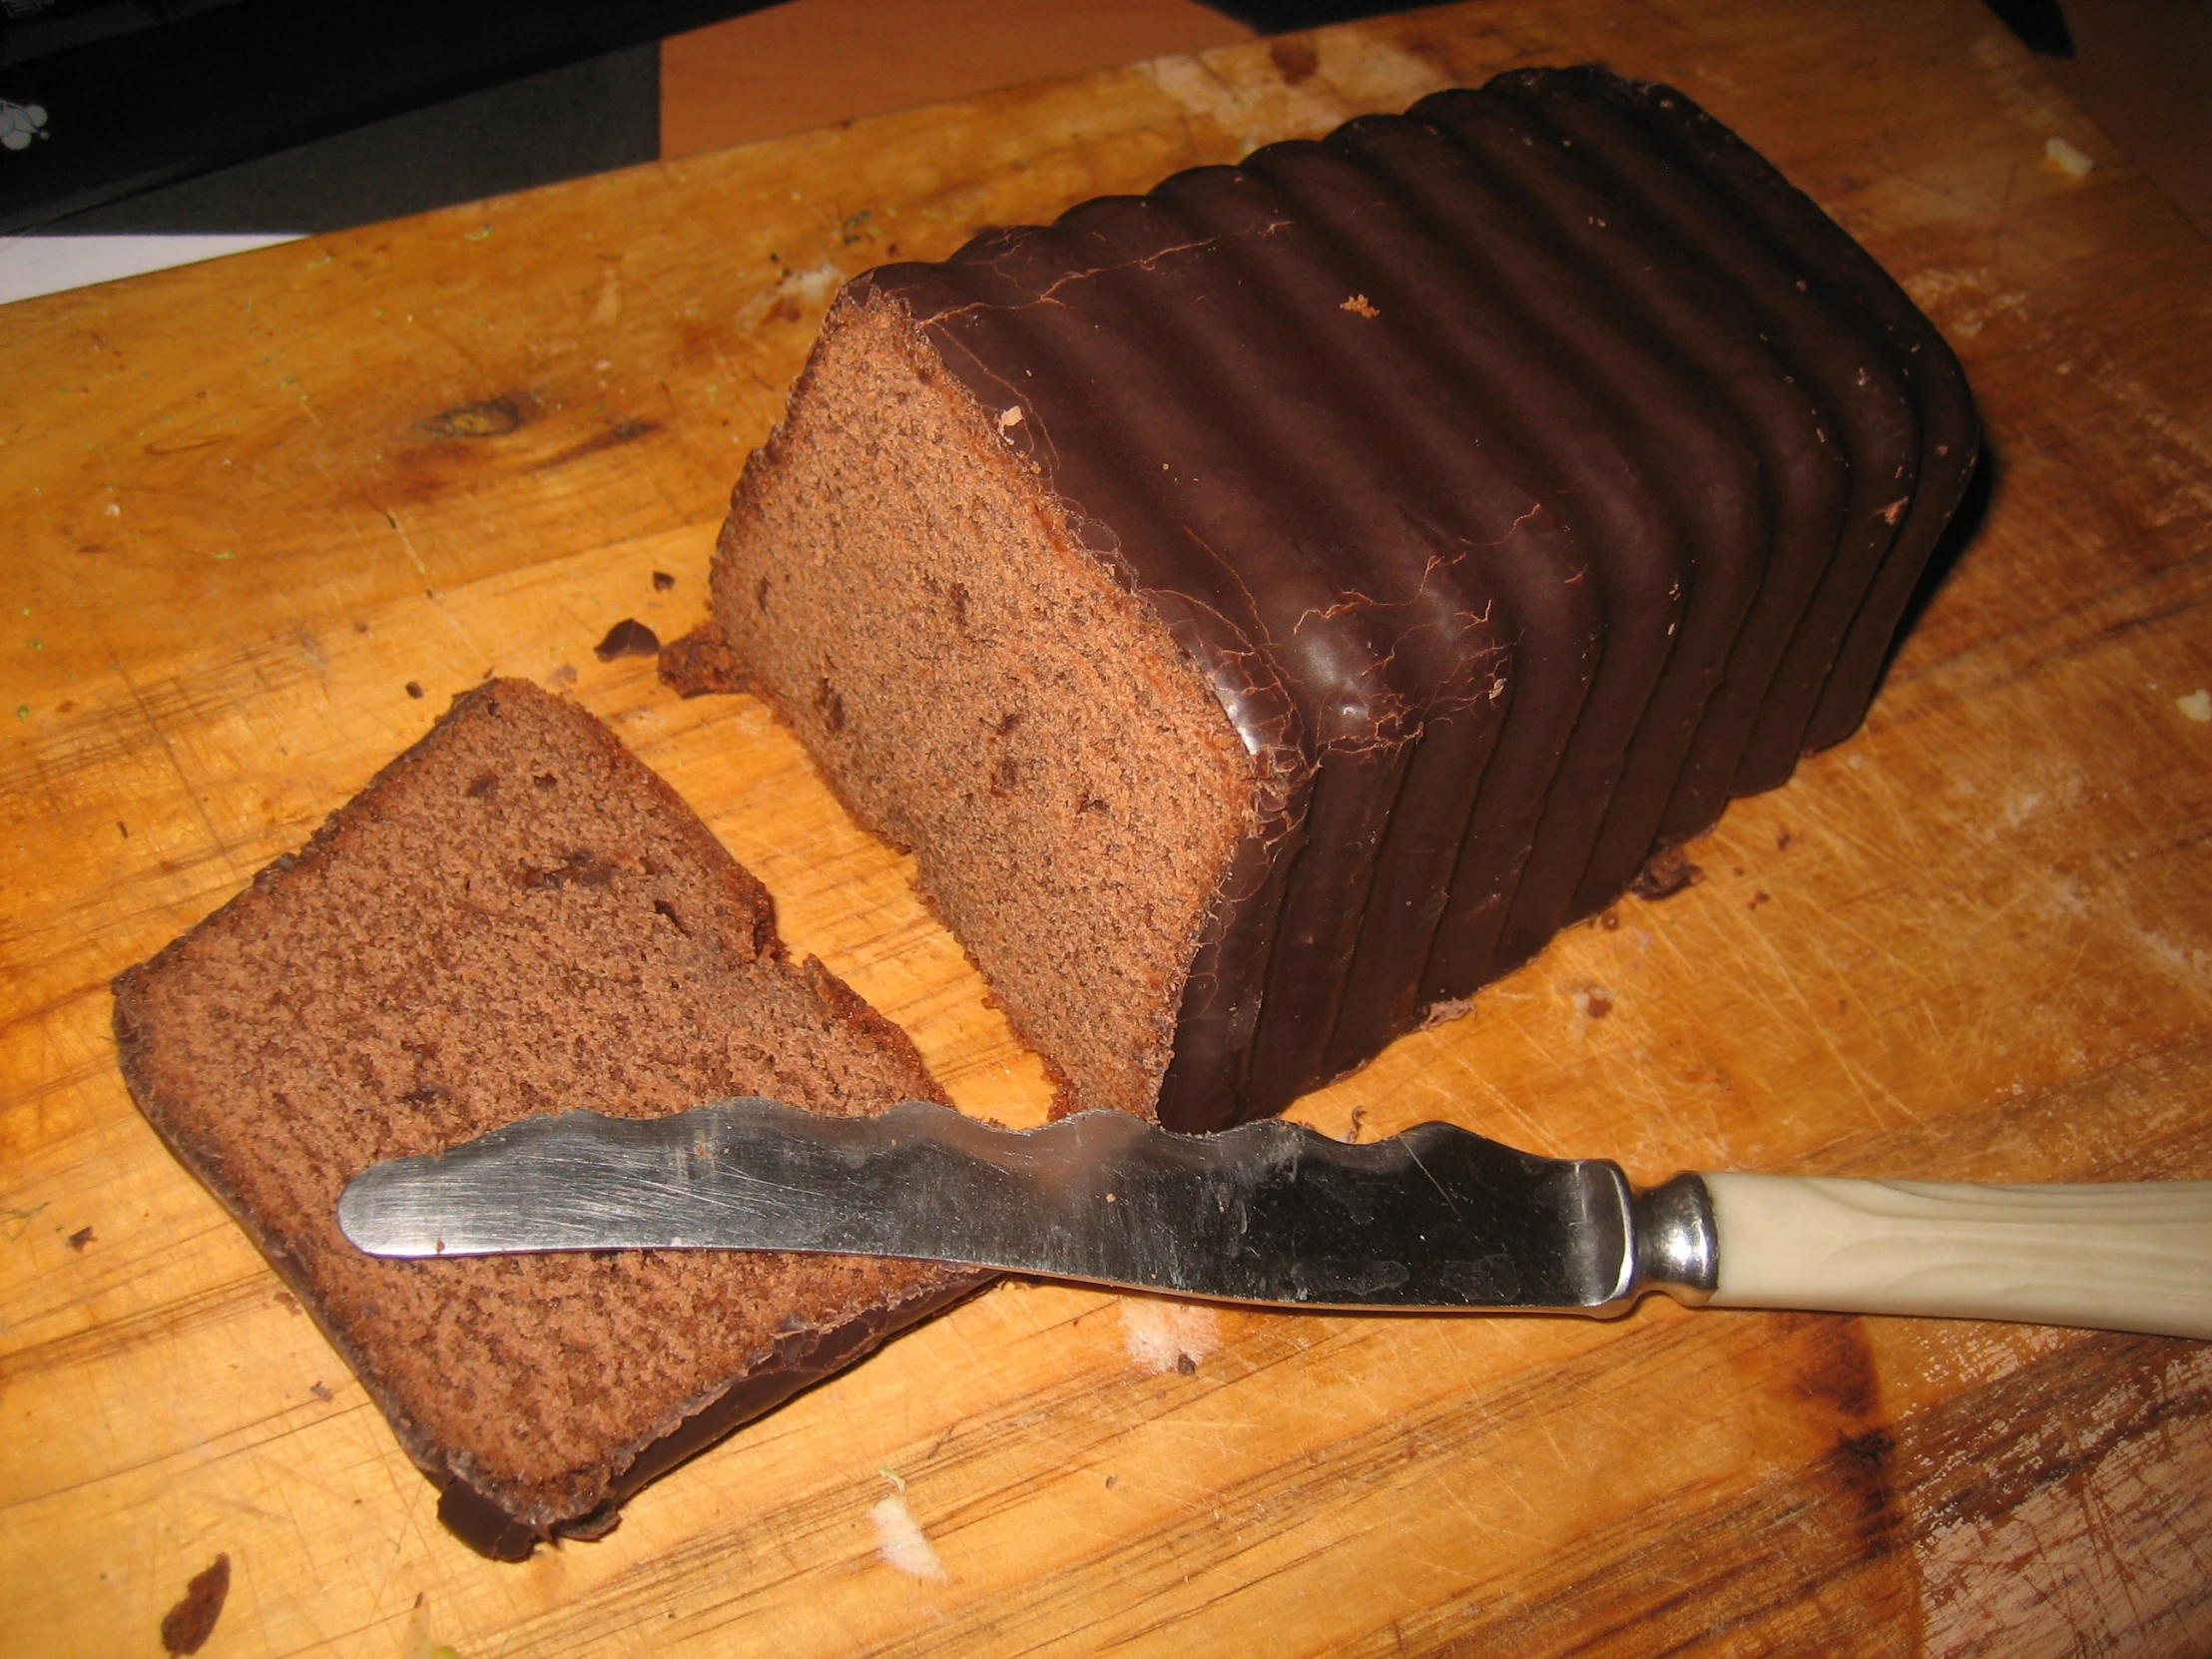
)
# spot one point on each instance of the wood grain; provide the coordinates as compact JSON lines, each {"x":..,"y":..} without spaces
{"x":808,"y":63}
{"x":245,"y":506}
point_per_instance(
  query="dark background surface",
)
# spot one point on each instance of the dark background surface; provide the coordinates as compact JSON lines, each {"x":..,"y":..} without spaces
{"x":260,"y":116}
{"x":323,"y":112}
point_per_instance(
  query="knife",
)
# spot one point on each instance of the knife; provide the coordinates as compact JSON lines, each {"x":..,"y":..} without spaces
{"x":1434,"y":1220}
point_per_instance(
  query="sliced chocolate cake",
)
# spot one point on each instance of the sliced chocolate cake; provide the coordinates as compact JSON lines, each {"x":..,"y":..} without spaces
{"x":517,"y":918}
{"x":1272,"y":605}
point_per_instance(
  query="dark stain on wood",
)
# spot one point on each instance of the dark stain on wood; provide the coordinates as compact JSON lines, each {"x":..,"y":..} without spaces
{"x":1700,"y":1585}
{"x":494,"y":417}
{"x":178,"y":445}
{"x":1989,"y":1452}
{"x":187,"y":1626}
{"x":1294,"y":59}
{"x":621,"y":432}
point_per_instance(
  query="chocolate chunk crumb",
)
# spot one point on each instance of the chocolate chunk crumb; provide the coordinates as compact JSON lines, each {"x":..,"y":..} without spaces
{"x":319,"y":1388}
{"x":290,"y":1303}
{"x":628,"y":638}
{"x":699,"y":663}
{"x":187,"y":1626}
{"x":414,"y":689}
{"x":663,"y":581}
{"x":1609,"y":919}
{"x":1665,"y":873}
{"x":79,"y":1239}
{"x":1757,"y":900}
{"x":1185,"y":1365}
{"x":1782,"y":841}
{"x":1295,"y":59}
{"x":122,"y":829}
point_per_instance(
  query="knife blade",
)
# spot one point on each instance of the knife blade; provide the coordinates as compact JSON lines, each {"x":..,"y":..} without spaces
{"x":1436,"y":1219}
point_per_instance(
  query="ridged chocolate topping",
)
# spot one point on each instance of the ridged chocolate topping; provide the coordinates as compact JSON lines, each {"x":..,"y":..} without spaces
{"x":1528,"y":475}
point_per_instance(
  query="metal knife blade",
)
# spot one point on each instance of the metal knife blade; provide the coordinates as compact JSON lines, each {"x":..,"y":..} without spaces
{"x":1435,"y":1217}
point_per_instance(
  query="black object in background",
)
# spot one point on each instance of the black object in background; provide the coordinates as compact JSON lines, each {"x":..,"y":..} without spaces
{"x":1283,"y":17}
{"x":103,"y":99}
{"x":2041,"y":25}
{"x":581,"y":118}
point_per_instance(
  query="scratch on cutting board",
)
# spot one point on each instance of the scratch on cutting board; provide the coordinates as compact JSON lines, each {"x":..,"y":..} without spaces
{"x":607,"y":306}
{"x":1992,"y":1583}
{"x":146,"y":710}
{"x":1256,"y":101}
{"x":1967,"y":300}
{"x":1872,"y":1094}
{"x":2187,"y":962}
{"x":794,"y":292}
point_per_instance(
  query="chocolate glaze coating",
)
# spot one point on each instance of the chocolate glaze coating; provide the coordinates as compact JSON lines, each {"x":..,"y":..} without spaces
{"x":1528,"y":475}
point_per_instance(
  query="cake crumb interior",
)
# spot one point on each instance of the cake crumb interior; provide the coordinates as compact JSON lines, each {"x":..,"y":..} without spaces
{"x":981,"y":689}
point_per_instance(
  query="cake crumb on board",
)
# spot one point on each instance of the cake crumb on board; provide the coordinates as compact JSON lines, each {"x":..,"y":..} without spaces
{"x":901,"y":1543}
{"x":187,"y":1626}
{"x":2062,"y":157}
{"x":1592,"y":1001}
{"x":1162,"y":1335}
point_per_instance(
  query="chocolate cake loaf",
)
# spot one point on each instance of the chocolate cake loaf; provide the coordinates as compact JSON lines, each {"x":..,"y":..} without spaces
{"x":1273,"y":606}
{"x":517,"y":918}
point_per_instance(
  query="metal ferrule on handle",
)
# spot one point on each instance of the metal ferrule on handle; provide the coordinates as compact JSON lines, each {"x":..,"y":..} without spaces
{"x":1676,"y":1249}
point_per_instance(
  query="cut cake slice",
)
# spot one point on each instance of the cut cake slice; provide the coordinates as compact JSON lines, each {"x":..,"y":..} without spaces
{"x":1270,"y":607}
{"x":517,"y":918}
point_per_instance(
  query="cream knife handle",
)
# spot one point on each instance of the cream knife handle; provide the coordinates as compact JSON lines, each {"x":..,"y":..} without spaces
{"x":2112,"y":1258}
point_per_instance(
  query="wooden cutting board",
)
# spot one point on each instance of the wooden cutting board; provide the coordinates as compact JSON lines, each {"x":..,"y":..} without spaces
{"x":261,"y":519}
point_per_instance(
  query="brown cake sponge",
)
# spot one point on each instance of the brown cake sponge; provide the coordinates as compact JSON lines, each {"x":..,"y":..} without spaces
{"x":517,"y":918}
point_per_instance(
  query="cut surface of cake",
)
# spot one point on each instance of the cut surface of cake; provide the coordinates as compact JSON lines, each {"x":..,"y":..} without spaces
{"x":1270,"y":607}
{"x":517,"y":918}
